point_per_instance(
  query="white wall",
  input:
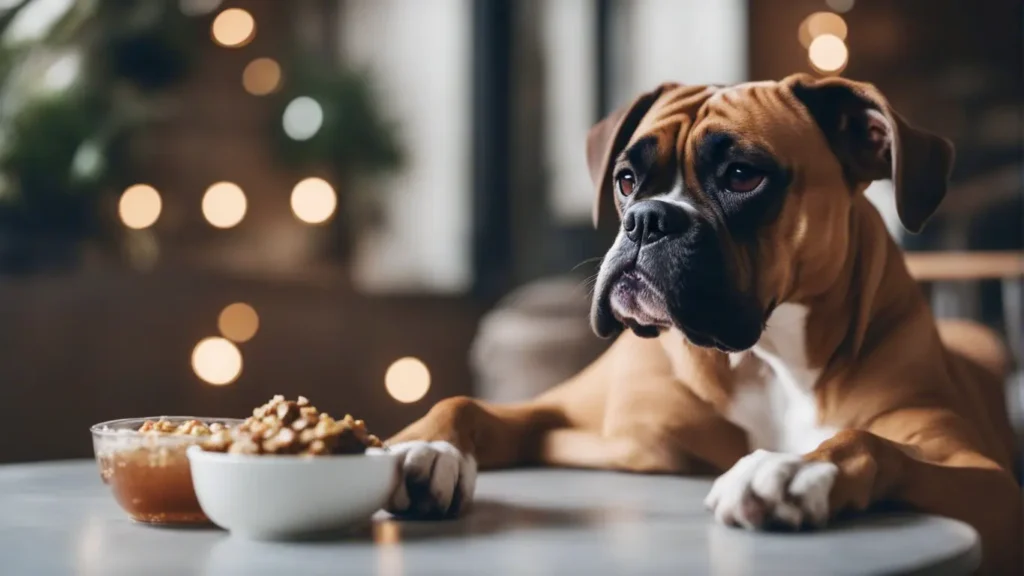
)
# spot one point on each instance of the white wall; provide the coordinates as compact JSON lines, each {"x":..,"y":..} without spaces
{"x":567,"y":37}
{"x":420,"y":54}
{"x":687,"y":41}
{"x":653,"y":41}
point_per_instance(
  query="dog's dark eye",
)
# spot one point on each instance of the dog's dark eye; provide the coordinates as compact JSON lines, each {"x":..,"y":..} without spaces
{"x":626,"y":182}
{"x":741,"y":178}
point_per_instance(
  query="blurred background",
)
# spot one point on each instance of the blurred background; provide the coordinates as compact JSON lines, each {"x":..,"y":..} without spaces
{"x":382,"y":203}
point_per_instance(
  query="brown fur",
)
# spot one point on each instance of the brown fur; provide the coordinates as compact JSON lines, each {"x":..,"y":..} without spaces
{"x":919,"y":404}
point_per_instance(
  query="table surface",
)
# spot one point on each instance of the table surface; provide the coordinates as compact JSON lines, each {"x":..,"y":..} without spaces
{"x":58,"y":518}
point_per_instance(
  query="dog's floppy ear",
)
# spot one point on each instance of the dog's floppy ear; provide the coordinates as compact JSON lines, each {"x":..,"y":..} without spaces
{"x":604,"y":142}
{"x":873,"y":142}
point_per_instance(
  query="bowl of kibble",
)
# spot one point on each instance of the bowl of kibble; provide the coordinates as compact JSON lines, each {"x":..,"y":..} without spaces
{"x":291,"y":470}
{"x":144,"y":462}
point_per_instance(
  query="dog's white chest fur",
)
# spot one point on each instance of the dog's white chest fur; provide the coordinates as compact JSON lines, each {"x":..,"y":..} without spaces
{"x":773,"y":395}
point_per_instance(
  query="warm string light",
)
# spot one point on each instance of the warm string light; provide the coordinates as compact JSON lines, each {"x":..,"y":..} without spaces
{"x":140,"y":206}
{"x":238,"y":322}
{"x":314,"y":201}
{"x":261,"y":77}
{"x":233,"y":28}
{"x":828,"y":53}
{"x":824,"y":36}
{"x":821,"y":23}
{"x":407,"y":380}
{"x":216,"y":361}
{"x":224,"y":205}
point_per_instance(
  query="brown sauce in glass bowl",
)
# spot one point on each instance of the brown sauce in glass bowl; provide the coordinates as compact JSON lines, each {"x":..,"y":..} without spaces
{"x":146,"y":466}
{"x":154,"y":485}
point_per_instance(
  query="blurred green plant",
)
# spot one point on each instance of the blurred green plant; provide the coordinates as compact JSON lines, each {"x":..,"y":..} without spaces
{"x":74,"y":85}
{"x":74,"y":89}
{"x":354,"y":137}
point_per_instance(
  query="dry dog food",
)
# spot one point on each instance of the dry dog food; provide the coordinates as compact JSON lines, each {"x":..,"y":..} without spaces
{"x":293,"y":427}
{"x":189,"y":427}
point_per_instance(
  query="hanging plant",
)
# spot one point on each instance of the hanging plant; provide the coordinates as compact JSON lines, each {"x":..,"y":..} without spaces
{"x":71,"y":94}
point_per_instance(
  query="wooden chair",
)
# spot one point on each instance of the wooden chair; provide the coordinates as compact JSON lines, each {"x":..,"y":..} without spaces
{"x":936,"y":270}
{"x":941,"y":271}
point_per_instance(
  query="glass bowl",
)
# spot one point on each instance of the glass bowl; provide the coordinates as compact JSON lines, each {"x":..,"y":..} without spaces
{"x":148,"y":472}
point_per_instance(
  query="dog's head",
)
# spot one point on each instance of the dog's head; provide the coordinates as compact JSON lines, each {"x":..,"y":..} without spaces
{"x":734,"y":200}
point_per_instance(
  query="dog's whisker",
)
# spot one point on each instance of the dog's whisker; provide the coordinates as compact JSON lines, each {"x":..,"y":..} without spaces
{"x":589,"y":284}
{"x":585,"y":262}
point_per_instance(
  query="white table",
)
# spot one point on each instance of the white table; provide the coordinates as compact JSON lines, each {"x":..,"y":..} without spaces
{"x":58,"y":518}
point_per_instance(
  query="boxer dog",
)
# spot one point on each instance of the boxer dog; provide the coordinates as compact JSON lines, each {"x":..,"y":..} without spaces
{"x":768,"y":328}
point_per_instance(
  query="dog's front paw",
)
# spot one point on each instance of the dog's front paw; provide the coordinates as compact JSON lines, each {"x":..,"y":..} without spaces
{"x":766,"y":489}
{"x":437,"y":481}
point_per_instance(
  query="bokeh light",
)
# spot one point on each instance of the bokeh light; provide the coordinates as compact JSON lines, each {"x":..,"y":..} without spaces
{"x":828,"y":53}
{"x":302,"y":118}
{"x":63,"y":73}
{"x":140,"y":206}
{"x":216,"y":361}
{"x":198,"y":7}
{"x":35,"y":20}
{"x":238,"y":322}
{"x":224,"y":205}
{"x":233,"y":28}
{"x":407,"y":380}
{"x":88,"y":161}
{"x":262,"y":76}
{"x":841,"y":6}
{"x":821,"y":23}
{"x":314,"y":200}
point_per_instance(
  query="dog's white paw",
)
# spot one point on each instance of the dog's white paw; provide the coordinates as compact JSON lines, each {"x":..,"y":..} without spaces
{"x":766,"y":489}
{"x":437,"y":481}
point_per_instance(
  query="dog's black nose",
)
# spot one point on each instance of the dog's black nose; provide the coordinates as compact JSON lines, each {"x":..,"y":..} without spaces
{"x":649,"y":221}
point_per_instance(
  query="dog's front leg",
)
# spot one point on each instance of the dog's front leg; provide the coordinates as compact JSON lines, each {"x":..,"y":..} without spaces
{"x":933,"y":468}
{"x":443,"y":450}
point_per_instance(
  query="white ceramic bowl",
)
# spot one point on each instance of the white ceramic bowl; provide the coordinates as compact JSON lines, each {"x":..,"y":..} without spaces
{"x":286,"y":497}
